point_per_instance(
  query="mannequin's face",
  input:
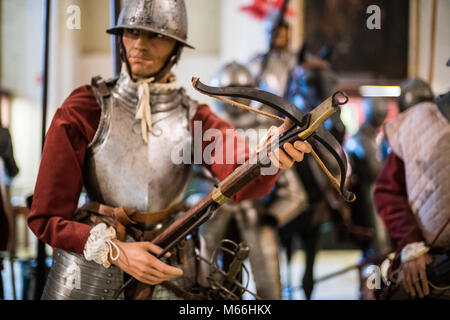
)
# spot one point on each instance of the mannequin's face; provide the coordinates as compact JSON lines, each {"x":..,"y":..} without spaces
{"x":147,"y":52}
{"x":282,"y":39}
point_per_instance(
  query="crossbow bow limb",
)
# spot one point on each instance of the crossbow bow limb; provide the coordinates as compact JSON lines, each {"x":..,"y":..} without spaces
{"x":307,"y":127}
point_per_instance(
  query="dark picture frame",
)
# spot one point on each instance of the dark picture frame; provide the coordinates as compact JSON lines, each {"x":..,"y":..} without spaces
{"x":359,"y":52}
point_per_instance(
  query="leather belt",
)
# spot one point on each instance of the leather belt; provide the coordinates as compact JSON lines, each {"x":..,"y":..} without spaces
{"x":127,"y":217}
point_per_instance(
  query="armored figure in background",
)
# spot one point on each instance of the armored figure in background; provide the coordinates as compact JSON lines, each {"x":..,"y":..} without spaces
{"x":414,"y":91}
{"x":363,"y":151}
{"x":8,"y":170}
{"x":275,"y":77}
{"x":412,"y":197}
{"x":365,"y":158}
{"x":311,"y":82}
{"x":235,"y":74}
{"x":413,"y":201}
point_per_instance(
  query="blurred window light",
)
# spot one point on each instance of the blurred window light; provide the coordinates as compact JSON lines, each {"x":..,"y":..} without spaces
{"x":380,"y":91}
{"x":350,"y":116}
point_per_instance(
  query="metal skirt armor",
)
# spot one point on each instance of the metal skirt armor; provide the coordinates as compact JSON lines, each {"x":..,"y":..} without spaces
{"x":72,"y":277}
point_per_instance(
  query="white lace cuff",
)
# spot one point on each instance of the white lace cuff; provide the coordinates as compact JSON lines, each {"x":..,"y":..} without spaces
{"x":413,"y":250}
{"x":99,"y":245}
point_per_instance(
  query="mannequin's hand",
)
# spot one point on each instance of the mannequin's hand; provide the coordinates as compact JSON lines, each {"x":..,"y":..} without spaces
{"x":414,"y":277}
{"x":137,"y":260}
{"x":284,"y":158}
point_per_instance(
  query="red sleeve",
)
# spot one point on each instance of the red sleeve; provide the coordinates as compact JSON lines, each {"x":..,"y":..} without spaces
{"x":60,"y":177}
{"x":261,"y":186}
{"x":391,"y":200}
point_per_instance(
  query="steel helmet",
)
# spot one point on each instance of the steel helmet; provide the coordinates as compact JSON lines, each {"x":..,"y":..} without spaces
{"x":165,"y":17}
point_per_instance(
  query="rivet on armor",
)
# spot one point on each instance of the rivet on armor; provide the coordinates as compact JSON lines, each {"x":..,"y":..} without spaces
{"x":105,"y":290}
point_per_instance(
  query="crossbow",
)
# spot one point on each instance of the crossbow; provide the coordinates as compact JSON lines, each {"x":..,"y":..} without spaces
{"x":306,"y":127}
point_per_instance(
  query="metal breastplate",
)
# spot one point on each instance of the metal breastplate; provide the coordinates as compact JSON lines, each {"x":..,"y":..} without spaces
{"x":121,"y":169}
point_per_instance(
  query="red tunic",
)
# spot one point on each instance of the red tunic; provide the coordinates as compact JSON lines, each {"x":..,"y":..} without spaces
{"x":391,"y":200}
{"x":60,"y":177}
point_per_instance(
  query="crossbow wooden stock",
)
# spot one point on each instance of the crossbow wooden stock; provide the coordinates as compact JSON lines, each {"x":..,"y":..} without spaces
{"x":306,"y":127}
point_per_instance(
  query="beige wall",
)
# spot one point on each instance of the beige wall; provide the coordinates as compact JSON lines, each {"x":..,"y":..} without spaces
{"x":21,"y":34}
{"x":420,"y":44}
{"x":95,"y":20}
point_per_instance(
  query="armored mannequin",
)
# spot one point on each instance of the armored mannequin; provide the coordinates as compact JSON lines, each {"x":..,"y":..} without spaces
{"x":275,"y":77}
{"x":311,"y":81}
{"x":412,"y":199}
{"x":365,"y":160}
{"x":118,"y":139}
{"x":414,"y":91}
{"x":111,"y":170}
{"x":8,"y":170}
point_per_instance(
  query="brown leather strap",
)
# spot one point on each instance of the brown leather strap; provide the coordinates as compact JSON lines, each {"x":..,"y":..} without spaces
{"x":100,"y":84}
{"x":129,"y":216}
{"x":140,"y":291}
{"x":121,"y":231}
{"x":124,"y":216}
